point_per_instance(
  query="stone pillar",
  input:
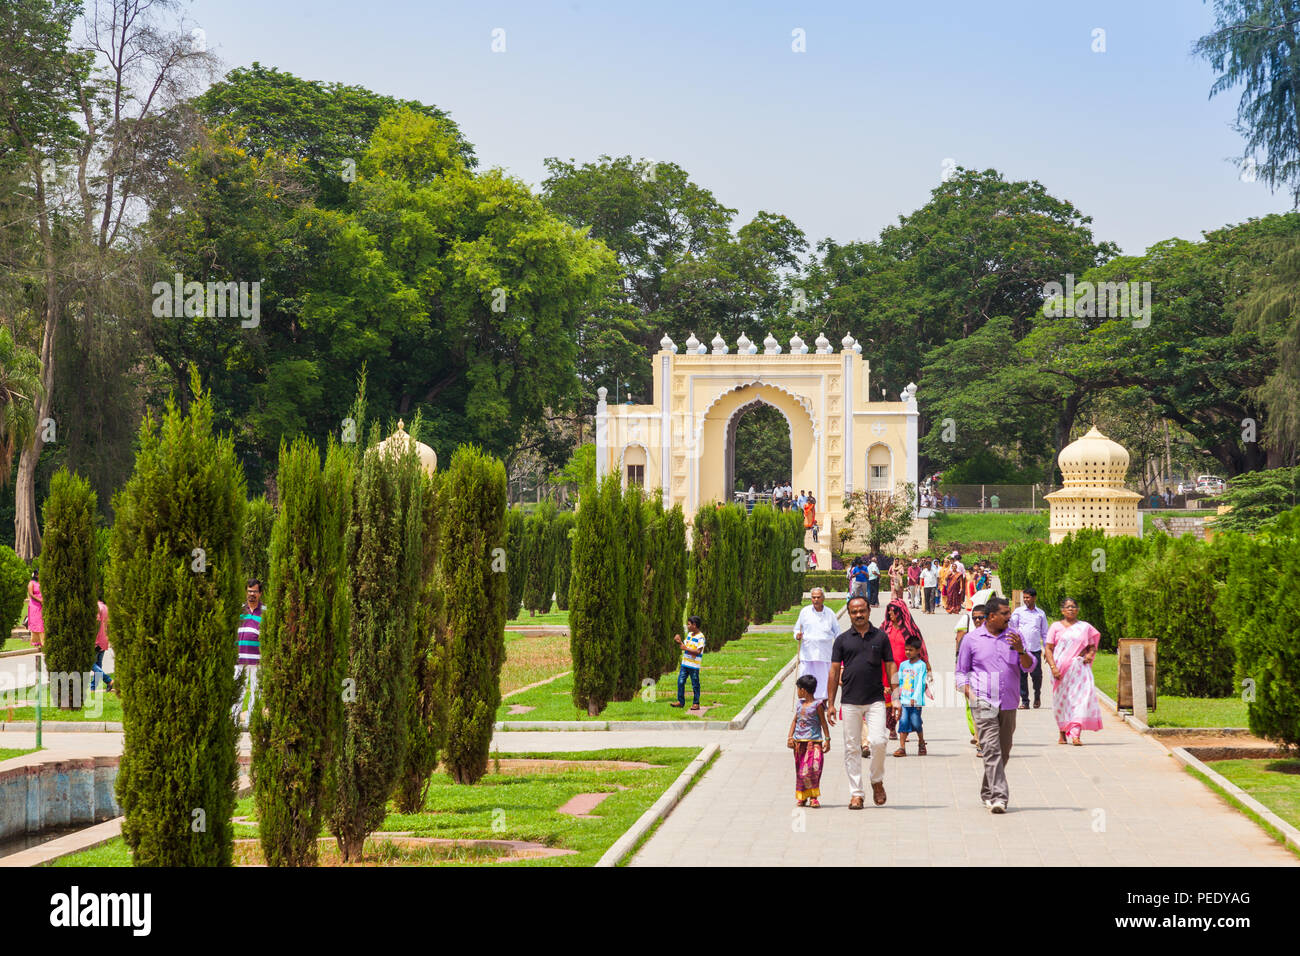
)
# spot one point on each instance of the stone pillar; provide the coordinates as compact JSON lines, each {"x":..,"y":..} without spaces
{"x":602,"y":433}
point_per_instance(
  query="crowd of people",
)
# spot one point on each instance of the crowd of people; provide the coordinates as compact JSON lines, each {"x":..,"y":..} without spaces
{"x":783,"y":498}
{"x":876,"y":680}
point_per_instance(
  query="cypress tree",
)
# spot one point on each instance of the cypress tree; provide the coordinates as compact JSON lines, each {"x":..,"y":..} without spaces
{"x":476,"y":589}
{"x":426,"y":717}
{"x":631,"y":546}
{"x":597,"y":595}
{"x":69,"y":582}
{"x":14,"y":576}
{"x":516,"y":560}
{"x":259,"y":518}
{"x":709,"y":595}
{"x":304,"y":633}
{"x":794,"y":546}
{"x":175,"y":588}
{"x":671,"y":595}
{"x":561,"y":548}
{"x":733,"y":529}
{"x":539,"y":573}
{"x":383,"y":560}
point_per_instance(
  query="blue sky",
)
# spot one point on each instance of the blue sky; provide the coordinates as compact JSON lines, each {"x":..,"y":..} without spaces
{"x":842,"y":138}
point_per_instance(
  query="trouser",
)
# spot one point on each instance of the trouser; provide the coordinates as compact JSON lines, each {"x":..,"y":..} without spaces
{"x":98,"y":670}
{"x":913,"y":594}
{"x":995,"y":729}
{"x":853,"y":715}
{"x":929,"y":600}
{"x":251,"y":671}
{"x":858,"y":589}
{"x":1036,"y":674}
{"x":682,"y":672}
{"x":873,"y":592}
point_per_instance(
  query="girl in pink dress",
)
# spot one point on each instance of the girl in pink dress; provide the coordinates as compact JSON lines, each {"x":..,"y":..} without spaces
{"x":1069,"y":650}
{"x":35,"y":620}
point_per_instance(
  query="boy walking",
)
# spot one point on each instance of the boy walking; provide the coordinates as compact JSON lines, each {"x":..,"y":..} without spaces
{"x":692,"y":653}
{"x":913,"y":688}
{"x":248,"y":640}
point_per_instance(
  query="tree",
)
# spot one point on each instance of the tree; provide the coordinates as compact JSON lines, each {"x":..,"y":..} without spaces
{"x":175,"y":588}
{"x":880,"y":517}
{"x":303,"y":646}
{"x":14,"y":575}
{"x":1256,"y":43}
{"x":426,"y":716}
{"x":383,"y":560}
{"x":630,"y":545}
{"x":597,"y":592}
{"x":1258,"y":496}
{"x":259,"y":518}
{"x":476,"y":594}
{"x":539,"y":570}
{"x":560,"y":547}
{"x":716,"y":557}
{"x":70,"y":586}
{"x":516,"y":559}
{"x":20,"y":387}
{"x":1272,"y":311}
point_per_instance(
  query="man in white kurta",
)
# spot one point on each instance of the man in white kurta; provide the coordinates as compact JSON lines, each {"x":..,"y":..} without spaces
{"x":815,"y":630}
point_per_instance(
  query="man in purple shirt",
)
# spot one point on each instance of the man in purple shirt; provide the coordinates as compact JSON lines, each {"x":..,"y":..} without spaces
{"x":1030,"y":623}
{"x":989,"y":664}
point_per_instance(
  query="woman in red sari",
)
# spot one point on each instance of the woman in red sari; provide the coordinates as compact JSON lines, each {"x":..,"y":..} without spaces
{"x":954,"y":592}
{"x":899,"y":626}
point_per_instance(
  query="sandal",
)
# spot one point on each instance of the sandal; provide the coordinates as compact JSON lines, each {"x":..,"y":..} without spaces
{"x":812,"y":802}
{"x":801,"y":803}
{"x":676,"y":704}
{"x":900,"y":752}
{"x":1076,"y":741}
{"x":920,"y":750}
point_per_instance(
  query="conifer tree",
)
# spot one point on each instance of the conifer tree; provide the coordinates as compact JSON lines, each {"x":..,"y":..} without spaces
{"x":69,"y":582}
{"x":383,"y":560}
{"x":258,"y":520}
{"x":516,"y":560}
{"x":304,"y":634}
{"x":631,"y":546}
{"x":597,"y":595}
{"x":476,"y":588}
{"x":175,"y":587}
{"x":561,"y":548}
{"x":427,"y":704}
{"x":539,"y":572}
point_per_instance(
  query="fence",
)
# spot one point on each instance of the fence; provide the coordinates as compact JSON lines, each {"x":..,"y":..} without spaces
{"x":993,"y":497}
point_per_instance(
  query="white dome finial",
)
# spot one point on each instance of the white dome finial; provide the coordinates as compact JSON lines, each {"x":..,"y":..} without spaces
{"x":823,"y":344}
{"x":692,"y":345}
{"x":771,"y":346}
{"x":719,"y":344}
{"x":666,"y":344}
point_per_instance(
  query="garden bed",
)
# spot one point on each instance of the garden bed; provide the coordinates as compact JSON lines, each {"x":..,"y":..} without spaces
{"x":1201,"y":712}
{"x":511,"y":817}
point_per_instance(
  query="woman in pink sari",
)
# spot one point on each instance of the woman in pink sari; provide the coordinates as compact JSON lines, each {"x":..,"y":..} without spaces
{"x":899,"y":626}
{"x":1069,"y":650}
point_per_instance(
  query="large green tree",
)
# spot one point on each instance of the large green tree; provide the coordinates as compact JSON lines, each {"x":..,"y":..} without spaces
{"x":70,"y":586}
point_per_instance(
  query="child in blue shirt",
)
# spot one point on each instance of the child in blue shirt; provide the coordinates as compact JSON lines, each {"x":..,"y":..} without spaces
{"x":913,"y":688}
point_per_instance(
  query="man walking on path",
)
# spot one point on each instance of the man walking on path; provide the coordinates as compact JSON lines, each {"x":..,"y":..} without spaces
{"x":857,"y":579}
{"x":856,"y":659}
{"x":248,"y":638}
{"x":815,"y":630}
{"x":873,"y":583}
{"x":929,"y":585}
{"x":988,"y":662}
{"x":1030,"y":623}
{"x":914,"y":584}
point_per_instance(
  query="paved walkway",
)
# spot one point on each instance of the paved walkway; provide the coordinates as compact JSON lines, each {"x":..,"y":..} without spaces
{"x":1119,"y":800}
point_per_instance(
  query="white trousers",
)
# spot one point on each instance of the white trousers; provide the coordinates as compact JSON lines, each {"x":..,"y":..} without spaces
{"x":819,"y":669}
{"x":854,"y":714}
{"x":250,"y":686}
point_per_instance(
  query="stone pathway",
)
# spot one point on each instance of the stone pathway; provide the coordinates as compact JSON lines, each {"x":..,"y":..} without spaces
{"x":1120,"y":800}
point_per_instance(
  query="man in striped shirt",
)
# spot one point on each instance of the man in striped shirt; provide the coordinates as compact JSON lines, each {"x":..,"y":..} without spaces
{"x":247,"y":638}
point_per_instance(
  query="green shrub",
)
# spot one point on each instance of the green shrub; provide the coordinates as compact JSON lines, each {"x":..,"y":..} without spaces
{"x":539,"y":572}
{"x":69,"y":586}
{"x":258,"y":520}
{"x":1173,"y":600}
{"x":383,"y":561}
{"x":516,"y":560}
{"x":174,"y":636}
{"x":561,"y":550}
{"x":303,"y":641}
{"x":630,"y":544}
{"x":14,"y":577}
{"x":476,"y":596}
{"x":597,"y":592}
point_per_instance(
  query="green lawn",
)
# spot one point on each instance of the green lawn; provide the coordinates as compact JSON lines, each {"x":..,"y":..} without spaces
{"x":515,"y":804}
{"x":737,"y":661}
{"x":986,"y":528}
{"x":792,"y":615}
{"x":15,"y":644}
{"x":1274,"y":783}
{"x":553,"y":616}
{"x":531,"y":659}
{"x":100,"y":706}
{"x":1174,"y":711}
{"x":7,"y":753}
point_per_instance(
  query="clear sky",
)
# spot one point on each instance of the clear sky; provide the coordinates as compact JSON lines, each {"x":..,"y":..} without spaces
{"x":842,"y":138}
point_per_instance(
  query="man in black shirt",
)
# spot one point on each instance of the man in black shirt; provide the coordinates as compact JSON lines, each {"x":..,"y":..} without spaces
{"x":856,"y":659}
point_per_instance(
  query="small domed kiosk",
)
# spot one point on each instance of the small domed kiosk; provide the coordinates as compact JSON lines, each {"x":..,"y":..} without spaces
{"x":1094,"y":496}
{"x":399,"y":440}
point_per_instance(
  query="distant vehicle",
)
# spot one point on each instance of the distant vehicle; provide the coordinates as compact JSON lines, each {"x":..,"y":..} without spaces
{"x":1210,"y":484}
